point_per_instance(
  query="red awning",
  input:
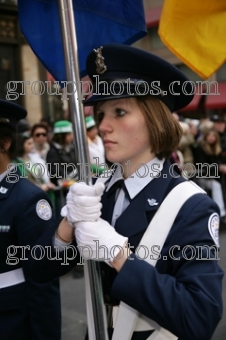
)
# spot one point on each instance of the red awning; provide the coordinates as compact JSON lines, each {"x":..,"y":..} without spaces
{"x":152,"y":16}
{"x":193,"y":105}
{"x":216,"y":101}
{"x":50,"y":77}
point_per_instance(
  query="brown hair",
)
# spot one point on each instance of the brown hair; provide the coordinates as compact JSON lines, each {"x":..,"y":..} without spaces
{"x":164,"y":131}
{"x":7,"y":133}
{"x":21,"y":139}
{"x":211,"y":149}
{"x":39,"y":126}
{"x":60,"y":138}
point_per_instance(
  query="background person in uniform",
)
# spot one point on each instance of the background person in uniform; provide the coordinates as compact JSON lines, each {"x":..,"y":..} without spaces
{"x":28,"y":310}
{"x":182,"y":294}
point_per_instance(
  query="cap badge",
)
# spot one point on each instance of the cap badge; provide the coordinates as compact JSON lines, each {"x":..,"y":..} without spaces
{"x":101,"y":67}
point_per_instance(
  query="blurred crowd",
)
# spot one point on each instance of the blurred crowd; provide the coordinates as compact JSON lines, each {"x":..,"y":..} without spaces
{"x":47,"y":155}
{"x":201,"y":156}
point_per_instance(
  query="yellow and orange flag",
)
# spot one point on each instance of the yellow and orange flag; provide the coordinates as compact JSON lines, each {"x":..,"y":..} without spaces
{"x":195,"y":31}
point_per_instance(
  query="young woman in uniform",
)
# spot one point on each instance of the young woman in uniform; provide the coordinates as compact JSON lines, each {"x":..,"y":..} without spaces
{"x":180,"y":296}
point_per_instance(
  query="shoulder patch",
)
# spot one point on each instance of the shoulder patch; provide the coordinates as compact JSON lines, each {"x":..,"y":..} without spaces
{"x":44,"y":210}
{"x":213,"y":226}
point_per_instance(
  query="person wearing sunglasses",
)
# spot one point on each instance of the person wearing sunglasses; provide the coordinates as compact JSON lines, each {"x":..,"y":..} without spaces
{"x":39,"y":133}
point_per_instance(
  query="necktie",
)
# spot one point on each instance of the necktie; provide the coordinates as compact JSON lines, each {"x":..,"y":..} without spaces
{"x":122,"y":201}
{"x":115,"y":186}
{"x":120,"y":184}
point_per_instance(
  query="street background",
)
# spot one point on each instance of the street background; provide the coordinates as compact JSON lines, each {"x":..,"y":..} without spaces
{"x":74,"y":310}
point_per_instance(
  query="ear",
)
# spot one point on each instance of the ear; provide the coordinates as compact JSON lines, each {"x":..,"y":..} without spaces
{"x":6,"y":144}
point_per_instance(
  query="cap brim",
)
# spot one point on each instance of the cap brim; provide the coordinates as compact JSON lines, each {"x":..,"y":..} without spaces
{"x":102,"y":98}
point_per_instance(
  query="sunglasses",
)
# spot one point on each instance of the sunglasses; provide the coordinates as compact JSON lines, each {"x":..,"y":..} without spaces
{"x":41,"y":134}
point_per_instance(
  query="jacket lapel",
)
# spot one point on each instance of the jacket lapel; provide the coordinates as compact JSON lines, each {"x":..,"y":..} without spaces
{"x":137,"y":216}
{"x":108,"y":202}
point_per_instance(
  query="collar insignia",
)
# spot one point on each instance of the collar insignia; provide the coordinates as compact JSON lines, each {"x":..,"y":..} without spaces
{"x":101,"y":67}
{"x":3,"y":190}
{"x":152,"y":202}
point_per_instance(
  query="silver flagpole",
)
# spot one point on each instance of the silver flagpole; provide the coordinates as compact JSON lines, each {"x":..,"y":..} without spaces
{"x":76,"y":110}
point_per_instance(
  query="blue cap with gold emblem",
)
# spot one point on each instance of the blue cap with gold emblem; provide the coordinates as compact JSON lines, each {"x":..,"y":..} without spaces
{"x":11,"y":113}
{"x":120,"y":71}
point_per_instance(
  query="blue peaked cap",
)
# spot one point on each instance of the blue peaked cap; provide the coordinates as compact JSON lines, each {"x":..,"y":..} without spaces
{"x":115,"y":63}
{"x":11,"y":113}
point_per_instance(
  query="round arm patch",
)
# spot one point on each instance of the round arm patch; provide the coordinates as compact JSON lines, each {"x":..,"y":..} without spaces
{"x":44,"y":210}
{"x":213,"y":226}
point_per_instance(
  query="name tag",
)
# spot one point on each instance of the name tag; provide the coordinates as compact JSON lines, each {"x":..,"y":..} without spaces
{"x":4,"y":228}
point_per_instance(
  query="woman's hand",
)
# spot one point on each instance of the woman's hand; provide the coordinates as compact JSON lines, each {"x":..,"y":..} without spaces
{"x":83,"y":203}
{"x":99,"y":241}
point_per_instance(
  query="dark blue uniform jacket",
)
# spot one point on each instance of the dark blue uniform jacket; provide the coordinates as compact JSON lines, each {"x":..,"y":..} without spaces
{"x":28,"y":310}
{"x":183,"y":292}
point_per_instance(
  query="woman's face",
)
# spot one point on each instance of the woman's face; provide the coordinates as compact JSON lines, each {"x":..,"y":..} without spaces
{"x":124,"y":131}
{"x":28,"y":145}
{"x":211,"y":138}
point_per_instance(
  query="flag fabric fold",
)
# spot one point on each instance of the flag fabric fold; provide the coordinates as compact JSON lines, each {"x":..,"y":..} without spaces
{"x":98,"y":22}
{"x":195,"y":32}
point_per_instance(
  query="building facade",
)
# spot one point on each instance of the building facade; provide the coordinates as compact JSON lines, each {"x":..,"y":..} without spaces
{"x":21,"y":72}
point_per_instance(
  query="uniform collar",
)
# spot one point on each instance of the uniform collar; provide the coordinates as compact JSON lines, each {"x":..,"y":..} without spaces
{"x":7,"y":184}
{"x":135,"y":183}
{"x":66,"y":148}
{"x":3,"y":175}
{"x":143,"y":207}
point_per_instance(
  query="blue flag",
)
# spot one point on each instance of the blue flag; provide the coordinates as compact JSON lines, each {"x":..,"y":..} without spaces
{"x":98,"y":22}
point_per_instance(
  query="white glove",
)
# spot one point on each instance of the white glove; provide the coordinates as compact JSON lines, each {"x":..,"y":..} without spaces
{"x":98,"y":240}
{"x":83,"y":202}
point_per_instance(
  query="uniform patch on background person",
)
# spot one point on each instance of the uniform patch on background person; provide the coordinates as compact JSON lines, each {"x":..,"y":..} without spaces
{"x":213,"y":226}
{"x":44,"y":210}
